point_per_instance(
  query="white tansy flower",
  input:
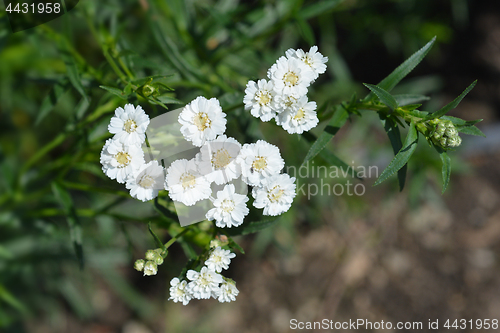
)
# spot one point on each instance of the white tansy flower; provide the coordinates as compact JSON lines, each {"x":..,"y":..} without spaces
{"x":129,"y":125}
{"x":229,"y":208}
{"x":217,"y":160}
{"x":150,"y":268}
{"x":120,"y":161}
{"x":313,"y":59}
{"x":146,"y":182}
{"x":259,"y":99}
{"x":185,"y":183}
{"x":275,"y":195}
{"x":202,"y":120}
{"x":203,"y":284}
{"x":179,"y":291}
{"x":259,"y":161}
{"x":286,"y":103}
{"x":290,"y":77}
{"x":300,"y":118}
{"x":227,"y":292}
{"x":219,"y":259}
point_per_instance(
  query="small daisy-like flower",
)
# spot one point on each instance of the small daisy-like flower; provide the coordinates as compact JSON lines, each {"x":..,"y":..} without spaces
{"x":202,"y":120}
{"x":179,"y":291}
{"x":139,"y":265}
{"x":290,"y":77}
{"x":219,"y":259}
{"x":259,"y":99}
{"x":227,"y":292}
{"x":146,"y":182}
{"x":275,"y":195}
{"x":185,"y":183}
{"x":286,"y":103}
{"x":313,"y":59}
{"x":217,"y":160}
{"x":204,"y":283}
{"x":129,"y":125}
{"x":229,"y":208}
{"x":120,"y":161}
{"x":150,"y":268}
{"x":300,"y":118}
{"x":259,"y":161}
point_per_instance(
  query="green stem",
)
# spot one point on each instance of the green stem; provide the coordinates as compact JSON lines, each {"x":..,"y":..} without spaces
{"x":179,"y":235}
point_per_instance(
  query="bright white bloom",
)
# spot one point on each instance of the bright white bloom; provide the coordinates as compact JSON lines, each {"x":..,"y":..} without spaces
{"x":146,"y":182}
{"x":300,"y":118}
{"x":120,"y":161}
{"x":217,"y":160}
{"x":227,"y":292}
{"x":290,"y":77}
{"x":259,"y":161}
{"x":275,"y":195}
{"x":185,"y":183}
{"x":219,"y":259}
{"x":259,"y":99}
{"x":129,"y":125}
{"x":150,"y":268}
{"x":313,"y":59}
{"x":202,"y":120}
{"x":203,"y":284}
{"x":179,"y":291}
{"x":229,"y":208}
{"x":285,"y":103}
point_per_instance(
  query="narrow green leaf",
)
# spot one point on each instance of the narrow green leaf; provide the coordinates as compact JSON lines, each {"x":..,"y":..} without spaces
{"x":383,"y":95}
{"x":402,"y":157}
{"x":165,"y":99}
{"x":394,"y":136}
{"x":10,"y":299}
{"x":470,"y":130}
{"x":319,"y":8}
{"x":306,"y":30}
{"x":450,"y":106}
{"x":446,"y":169}
{"x":115,"y":91}
{"x":73,"y":74}
{"x":157,"y":239}
{"x":337,"y":121}
{"x":50,"y":101}
{"x":460,"y":122}
{"x":188,"y":250}
{"x":407,"y":99}
{"x":251,"y":227}
{"x":235,"y":246}
{"x":404,"y":69}
{"x":171,"y":217}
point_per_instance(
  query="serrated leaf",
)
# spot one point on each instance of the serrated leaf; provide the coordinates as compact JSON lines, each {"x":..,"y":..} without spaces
{"x":460,"y":122}
{"x":383,"y":95}
{"x":402,"y":70}
{"x":446,"y":169}
{"x":450,"y":106}
{"x":407,"y":99}
{"x":50,"y":101}
{"x":157,"y":239}
{"x":470,"y":130}
{"x":337,"y":121}
{"x":115,"y":91}
{"x":403,"y":156}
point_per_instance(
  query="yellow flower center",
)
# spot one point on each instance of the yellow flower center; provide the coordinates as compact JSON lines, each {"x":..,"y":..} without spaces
{"x":290,"y":101}
{"x":260,"y":163}
{"x":188,"y":180}
{"x":123,"y":159}
{"x":275,"y":193}
{"x":146,"y":181}
{"x":220,"y":159}
{"x":291,"y":78}
{"x":227,"y":205}
{"x":264,"y":97}
{"x":201,"y":121}
{"x":129,"y":126}
{"x":307,"y":60}
{"x":300,"y":114}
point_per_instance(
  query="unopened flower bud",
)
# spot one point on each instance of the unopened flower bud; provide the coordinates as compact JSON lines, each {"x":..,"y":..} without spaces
{"x":148,"y":90}
{"x":442,"y":142}
{"x":451,"y":132}
{"x":215,"y":243}
{"x":139,"y":265}
{"x":150,"y":255}
{"x":150,"y":268}
{"x":454,"y":141}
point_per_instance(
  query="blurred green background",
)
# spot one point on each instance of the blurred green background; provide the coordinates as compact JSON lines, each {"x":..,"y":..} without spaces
{"x":391,"y":256}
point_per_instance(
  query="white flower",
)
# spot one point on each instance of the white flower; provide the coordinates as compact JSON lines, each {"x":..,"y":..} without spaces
{"x":179,"y":291}
{"x":227,"y":292}
{"x":229,"y":208}
{"x":275,"y":195}
{"x":259,"y":99}
{"x":285,"y":103}
{"x":259,"y":161}
{"x":150,"y":268}
{"x":300,"y":118}
{"x":203,"y":284}
{"x":290,"y":77}
{"x":185,"y":183}
{"x":129,"y":125}
{"x":120,"y":161}
{"x":202,"y":120}
{"x":146,"y":182}
{"x":219,"y":259}
{"x":313,"y":59}
{"x":217,"y":160}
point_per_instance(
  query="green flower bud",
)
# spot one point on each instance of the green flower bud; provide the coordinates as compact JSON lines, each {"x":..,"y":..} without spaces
{"x":442,"y":142}
{"x":150,"y":268}
{"x":454,"y":141}
{"x":148,"y":90}
{"x":155,"y":255}
{"x":451,"y":132}
{"x":139,"y":265}
{"x":150,"y":255}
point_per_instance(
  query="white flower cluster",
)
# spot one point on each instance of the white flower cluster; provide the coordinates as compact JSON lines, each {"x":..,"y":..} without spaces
{"x":207,"y":282}
{"x":123,"y":159}
{"x":222,"y":160}
{"x":284,"y":96}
